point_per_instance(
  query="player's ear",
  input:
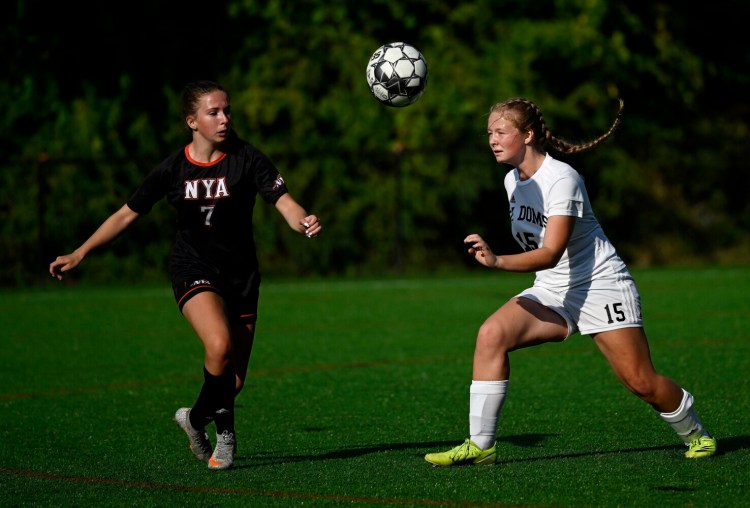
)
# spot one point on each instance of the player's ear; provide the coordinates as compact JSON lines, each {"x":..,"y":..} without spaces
{"x":529,"y":137}
{"x":191,"y":123}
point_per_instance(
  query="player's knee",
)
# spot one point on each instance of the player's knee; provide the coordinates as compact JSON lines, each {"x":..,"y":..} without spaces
{"x":491,"y":338}
{"x":643,"y":387}
{"x":218,"y":351}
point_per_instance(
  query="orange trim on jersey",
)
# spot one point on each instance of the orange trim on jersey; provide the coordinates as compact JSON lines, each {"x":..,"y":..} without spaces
{"x":202,"y":164}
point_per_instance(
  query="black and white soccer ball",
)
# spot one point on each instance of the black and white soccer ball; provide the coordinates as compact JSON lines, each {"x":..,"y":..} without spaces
{"x":397,"y":74}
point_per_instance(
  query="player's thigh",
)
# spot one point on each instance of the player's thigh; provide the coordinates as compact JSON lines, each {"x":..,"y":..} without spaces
{"x":206,"y":313}
{"x":521,"y":323}
{"x":627,"y":351}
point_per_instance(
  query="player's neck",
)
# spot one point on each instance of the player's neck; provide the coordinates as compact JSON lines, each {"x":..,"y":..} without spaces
{"x":530,"y":164}
{"x":203,"y":151}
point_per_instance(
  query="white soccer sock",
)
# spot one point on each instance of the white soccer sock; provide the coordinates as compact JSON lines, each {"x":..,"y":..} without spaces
{"x":684,"y":420}
{"x":485,"y":401}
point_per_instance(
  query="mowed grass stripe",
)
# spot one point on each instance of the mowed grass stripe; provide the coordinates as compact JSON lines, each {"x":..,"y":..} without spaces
{"x":58,"y":392}
{"x":246,"y":492}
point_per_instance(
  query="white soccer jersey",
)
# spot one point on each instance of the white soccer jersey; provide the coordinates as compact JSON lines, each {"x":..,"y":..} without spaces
{"x":557,"y":189}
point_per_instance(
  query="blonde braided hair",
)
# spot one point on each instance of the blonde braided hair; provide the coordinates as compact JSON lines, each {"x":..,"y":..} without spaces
{"x":526,"y":116}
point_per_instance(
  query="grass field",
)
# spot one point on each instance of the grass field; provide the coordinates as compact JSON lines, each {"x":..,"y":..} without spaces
{"x":352,"y":382}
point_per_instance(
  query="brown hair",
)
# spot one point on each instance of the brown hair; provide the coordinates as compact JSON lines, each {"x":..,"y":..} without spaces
{"x":526,"y":116}
{"x":192,"y":93}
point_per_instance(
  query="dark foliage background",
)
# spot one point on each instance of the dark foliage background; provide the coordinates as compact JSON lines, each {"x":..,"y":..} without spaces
{"x":90,"y":95}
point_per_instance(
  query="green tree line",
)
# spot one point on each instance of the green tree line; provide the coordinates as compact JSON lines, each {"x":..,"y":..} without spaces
{"x":91,"y":107}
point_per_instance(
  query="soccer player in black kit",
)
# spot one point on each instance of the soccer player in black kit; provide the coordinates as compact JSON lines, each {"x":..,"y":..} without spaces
{"x":212,"y":183}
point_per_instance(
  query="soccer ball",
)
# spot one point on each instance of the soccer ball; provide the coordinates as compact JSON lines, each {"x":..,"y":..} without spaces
{"x":397,"y":74}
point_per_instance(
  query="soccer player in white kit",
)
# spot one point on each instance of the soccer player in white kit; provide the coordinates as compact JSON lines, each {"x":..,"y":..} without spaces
{"x":581,"y":285}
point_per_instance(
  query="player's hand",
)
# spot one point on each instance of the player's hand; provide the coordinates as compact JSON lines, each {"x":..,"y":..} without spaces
{"x":63,"y":264}
{"x":479,"y":250}
{"x":313,"y":226}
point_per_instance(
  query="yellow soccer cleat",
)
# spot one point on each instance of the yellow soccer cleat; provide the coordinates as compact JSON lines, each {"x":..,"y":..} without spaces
{"x":466,"y":453}
{"x":700,"y":447}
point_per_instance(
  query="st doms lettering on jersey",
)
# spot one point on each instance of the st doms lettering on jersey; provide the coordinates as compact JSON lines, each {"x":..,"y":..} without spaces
{"x":528,"y":214}
{"x":527,"y":240}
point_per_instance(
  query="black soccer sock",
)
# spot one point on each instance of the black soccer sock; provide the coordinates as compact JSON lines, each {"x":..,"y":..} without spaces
{"x":215,"y":402}
{"x":224,"y":402}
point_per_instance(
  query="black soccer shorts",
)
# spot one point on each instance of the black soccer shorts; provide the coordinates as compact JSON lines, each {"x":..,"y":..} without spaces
{"x":240,"y":297}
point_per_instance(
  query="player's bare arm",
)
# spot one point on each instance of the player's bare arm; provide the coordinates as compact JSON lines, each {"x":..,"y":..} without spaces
{"x":297,"y":217}
{"x":108,"y":231}
{"x":559,"y":229}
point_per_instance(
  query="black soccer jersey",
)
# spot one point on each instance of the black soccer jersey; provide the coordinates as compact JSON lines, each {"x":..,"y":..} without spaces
{"x":214,"y":203}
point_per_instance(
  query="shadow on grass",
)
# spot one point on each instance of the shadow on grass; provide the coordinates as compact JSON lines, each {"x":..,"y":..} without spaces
{"x":726,"y":445}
